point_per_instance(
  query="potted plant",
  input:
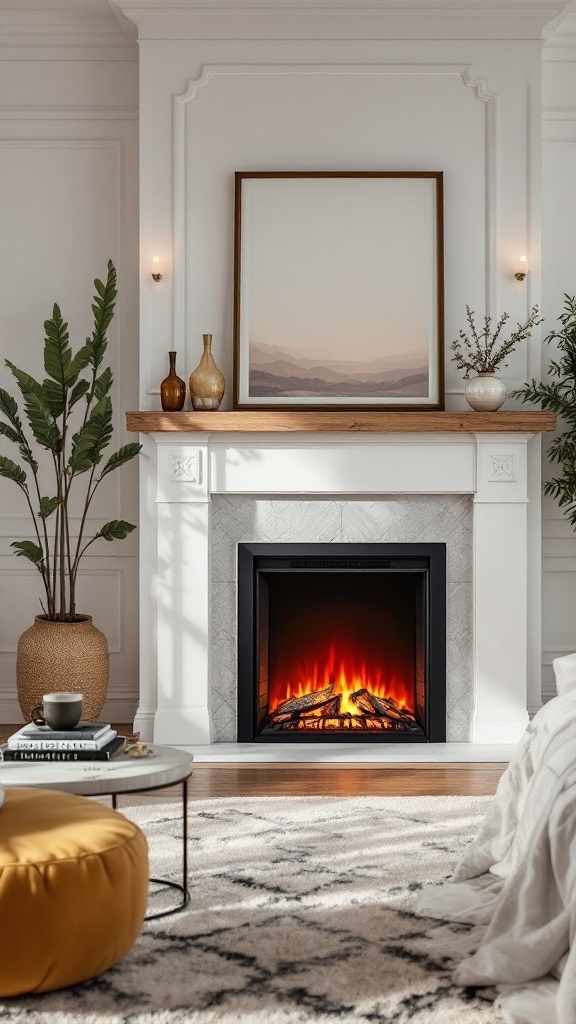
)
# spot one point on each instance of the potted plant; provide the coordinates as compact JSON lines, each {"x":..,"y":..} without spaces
{"x":482,"y":352}
{"x":558,"y":395}
{"x":69,"y":426}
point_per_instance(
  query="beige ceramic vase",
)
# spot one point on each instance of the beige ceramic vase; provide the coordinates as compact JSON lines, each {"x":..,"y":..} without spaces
{"x":486,"y":392}
{"x":207,"y":384}
{"x":62,"y":657}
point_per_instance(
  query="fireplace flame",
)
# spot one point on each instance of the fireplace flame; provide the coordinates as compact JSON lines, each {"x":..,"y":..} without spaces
{"x":347,"y":674}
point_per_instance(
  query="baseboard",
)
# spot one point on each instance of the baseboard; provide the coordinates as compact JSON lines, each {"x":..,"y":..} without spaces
{"x":182,"y":724}
{"x":10,"y":713}
{"x":119,"y":709}
{"x":499,"y":725}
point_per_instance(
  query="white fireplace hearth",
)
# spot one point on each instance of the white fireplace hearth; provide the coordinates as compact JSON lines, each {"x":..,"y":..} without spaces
{"x":202,"y":492}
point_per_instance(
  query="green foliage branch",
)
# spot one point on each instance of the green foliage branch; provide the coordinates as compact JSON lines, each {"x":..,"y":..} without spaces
{"x":70,"y":379}
{"x":481,"y":351}
{"x":558,"y":394}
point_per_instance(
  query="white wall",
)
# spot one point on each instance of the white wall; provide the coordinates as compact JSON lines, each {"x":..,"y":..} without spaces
{"x":68,"y":187}
{"x":558,"y":277}
{"x":294,"y":87}
{"x":368,"y":88}
{"x":250,"y":92}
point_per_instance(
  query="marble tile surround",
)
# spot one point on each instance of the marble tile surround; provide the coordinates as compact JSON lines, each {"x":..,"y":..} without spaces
{"x":389,"y":518}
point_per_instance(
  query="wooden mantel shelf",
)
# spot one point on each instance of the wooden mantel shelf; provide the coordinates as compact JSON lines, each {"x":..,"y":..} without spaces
{"x":343,"y":422}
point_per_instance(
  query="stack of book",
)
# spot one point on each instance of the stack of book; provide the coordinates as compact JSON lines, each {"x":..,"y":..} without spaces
{"x":88,"y":741}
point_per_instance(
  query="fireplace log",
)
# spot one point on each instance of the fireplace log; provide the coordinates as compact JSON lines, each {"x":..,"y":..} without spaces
{"x":374,"y":713}
{"x":364,"y":701}
{"x":332,"y":707}
{"x":388,"y":706}
{"x":385,"y":707}
{"x":308,"y":702}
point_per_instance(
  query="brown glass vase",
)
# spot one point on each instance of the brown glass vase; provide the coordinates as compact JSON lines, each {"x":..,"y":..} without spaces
{"x":172,"y":388}
{"x":207,"y":384}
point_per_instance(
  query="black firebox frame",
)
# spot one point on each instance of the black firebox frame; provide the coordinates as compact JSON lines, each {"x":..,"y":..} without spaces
{"x":256,"y":558}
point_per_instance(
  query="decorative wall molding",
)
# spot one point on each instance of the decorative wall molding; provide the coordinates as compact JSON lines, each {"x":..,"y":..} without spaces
{"x":422,"y":19}
{"x":479,"y":86}
{"x":116,"y":145}
{"x":106,"y":135}
{"x":560,"y":563}
{"x":568,"y":138}
{"x":182,"y":474}
{"x":483,"y":94}
{"x":185,"y":468}
{"x":114,"y":647}
{"x":560,"y":38}
{"x":63,"y":29}
{"x":473,"y":8}
{"x":549,"y":653}
{"x":559,"y":113}
{"x":502,"y":469}
{"x":63,"y":113}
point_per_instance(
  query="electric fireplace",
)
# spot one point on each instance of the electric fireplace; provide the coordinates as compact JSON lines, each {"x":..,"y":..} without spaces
{"x":342,"y":642}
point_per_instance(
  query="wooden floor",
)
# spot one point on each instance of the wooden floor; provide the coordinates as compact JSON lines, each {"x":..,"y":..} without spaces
{"x":289,"y":779}
{"x":299,"y":779}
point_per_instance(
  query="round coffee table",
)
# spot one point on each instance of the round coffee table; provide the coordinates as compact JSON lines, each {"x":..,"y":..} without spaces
{"x":167,"y":766}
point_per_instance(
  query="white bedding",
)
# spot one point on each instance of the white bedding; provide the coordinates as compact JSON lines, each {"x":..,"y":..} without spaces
{"x":517,"y":882}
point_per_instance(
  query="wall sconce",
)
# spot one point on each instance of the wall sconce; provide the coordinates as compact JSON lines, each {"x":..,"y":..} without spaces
{"x":521,"y":268}
{"x":156,"y":268}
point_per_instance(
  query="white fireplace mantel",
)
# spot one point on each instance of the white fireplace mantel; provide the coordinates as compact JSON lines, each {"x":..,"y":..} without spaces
{"x":181,"y":471}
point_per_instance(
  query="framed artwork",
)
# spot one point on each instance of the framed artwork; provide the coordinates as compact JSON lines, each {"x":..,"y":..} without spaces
{"x":338,"y":290}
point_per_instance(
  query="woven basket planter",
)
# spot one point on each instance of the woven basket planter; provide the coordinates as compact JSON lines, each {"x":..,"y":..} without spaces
{"x":62,"y":657}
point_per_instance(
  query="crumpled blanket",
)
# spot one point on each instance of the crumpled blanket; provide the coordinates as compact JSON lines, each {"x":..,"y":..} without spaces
{"x":516,"y":883}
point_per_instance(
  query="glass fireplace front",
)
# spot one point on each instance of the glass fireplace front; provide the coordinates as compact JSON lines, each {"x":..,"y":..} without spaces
{"x":341,"y":642}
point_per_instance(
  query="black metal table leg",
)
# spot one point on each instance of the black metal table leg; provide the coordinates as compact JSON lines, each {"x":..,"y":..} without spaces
{"x":176,"y":885}
{"x":181,"y":888}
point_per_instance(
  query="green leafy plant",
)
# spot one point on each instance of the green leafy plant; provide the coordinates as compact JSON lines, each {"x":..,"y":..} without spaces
{"x":559,"y":395}
{"x":482,"y":351}
{"x":74,"y":396}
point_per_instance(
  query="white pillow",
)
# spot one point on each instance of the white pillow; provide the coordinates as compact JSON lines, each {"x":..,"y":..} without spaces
{"x":565,"y":672}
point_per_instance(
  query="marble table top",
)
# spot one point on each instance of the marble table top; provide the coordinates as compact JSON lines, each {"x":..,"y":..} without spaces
{"x":122,"y":774}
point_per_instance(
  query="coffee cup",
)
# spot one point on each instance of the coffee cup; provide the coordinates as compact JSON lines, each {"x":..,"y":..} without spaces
{"x":58,"y":710}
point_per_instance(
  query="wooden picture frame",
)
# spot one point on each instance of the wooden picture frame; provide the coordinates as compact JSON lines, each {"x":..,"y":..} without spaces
{"x":338,"y":290}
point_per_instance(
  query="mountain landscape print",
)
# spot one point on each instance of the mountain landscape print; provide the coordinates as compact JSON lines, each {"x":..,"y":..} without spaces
{"x":280,"y":372}
{"x":338,"y":290}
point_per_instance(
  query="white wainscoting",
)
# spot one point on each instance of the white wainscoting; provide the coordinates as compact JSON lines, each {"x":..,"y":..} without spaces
{"x":68,"y":177}
{"x":558,"y":277}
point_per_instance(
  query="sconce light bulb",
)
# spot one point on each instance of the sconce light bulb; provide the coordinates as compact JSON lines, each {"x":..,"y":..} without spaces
{"x":156,"y":268}
{"x":521,"y":268}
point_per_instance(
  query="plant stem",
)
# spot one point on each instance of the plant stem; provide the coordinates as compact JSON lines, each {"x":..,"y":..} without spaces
{"x":44,"y":572}
{"x":78,"y":553}
{"x":65,"y":517}
{"x":55,"y":564}
{"x":62,"y":568}
{"x":57,"y":533}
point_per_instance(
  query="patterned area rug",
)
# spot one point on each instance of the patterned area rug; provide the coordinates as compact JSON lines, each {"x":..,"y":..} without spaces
{"x":301,"y":911}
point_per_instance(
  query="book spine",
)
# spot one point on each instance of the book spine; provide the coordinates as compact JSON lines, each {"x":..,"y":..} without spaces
{"x":23,"y":744}
{"x":62,"y":755}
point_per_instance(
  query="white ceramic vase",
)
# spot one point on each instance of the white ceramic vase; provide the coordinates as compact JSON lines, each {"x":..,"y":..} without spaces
{"x":486,"y":392}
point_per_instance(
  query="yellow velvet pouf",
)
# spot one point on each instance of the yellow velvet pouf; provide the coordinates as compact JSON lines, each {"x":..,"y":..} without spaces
{"x":73,"y":889}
